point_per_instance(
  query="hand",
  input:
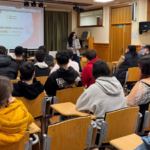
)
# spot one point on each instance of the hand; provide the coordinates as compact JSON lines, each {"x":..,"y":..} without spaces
{"x":76,"y":48}
{"x":71,"y":48}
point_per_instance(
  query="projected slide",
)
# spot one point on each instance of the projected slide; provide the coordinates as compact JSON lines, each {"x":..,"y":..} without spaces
{"x":21,"y":27}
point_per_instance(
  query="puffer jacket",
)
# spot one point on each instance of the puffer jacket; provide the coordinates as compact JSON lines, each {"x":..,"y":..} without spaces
{"x":14,"y":121}
{"x":8,"y":67}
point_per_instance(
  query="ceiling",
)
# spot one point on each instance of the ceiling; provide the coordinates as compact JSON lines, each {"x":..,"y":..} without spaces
{"x":69,"y":7}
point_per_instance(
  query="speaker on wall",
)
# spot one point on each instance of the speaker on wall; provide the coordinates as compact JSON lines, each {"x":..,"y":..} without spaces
{"x":134,"y":11}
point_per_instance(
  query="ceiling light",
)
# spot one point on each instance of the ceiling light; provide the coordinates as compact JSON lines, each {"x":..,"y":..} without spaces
{"x":33,"y":4}
{"x":76,"y":8}
{"x":103,"y":1}
{"x":26,"y":3}
{"x":40,"y":4}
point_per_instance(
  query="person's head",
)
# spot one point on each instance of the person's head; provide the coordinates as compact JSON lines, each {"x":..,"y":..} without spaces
{"x":27,"y":71}
{"x":42,"y":48}
{"x":3,"y":50}
{"x":70,"y":53}
{"x":62,"y":58}
{"x":147,"y":49}
{"x":6,"y":89}
{"x":40,"y":56}
{"x":19,"y":51}
{"x":72,"y":36}
{"x":132,"y":50}
{"x":90,"y":54}
{"x":144,"y":65}
{"x":143,"y":46}
{"x":100,"y":69}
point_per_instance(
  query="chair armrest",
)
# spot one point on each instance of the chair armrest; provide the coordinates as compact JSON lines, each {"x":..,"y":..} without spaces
{"x":36,"y":139}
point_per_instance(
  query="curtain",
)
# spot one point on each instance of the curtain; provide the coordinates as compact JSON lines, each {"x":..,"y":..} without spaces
{"x":56,"y":30}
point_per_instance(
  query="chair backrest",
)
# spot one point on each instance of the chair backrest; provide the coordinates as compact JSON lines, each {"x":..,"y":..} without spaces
{"x":69,"y":95}
{"x":19,"y":145}
{"x":111,"y":67}
{"x":69,"y":135}
{"x":133,"y":74}
{"x":121,"y":123}
{"x":83,"y":62}
{"x":14,"y":81}
{"x":34,"y":106}
{"x":148,"y":129}
{"x":18,"y":74}
{"x":42,"y":79}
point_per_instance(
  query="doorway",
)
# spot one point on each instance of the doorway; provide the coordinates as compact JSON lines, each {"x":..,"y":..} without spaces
{"x":120,"y":30}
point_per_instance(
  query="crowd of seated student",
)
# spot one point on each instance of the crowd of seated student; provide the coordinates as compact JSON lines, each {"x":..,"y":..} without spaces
{"x":126,"y":61}
{"x":87,"y":77}
{"x":71,"y":63}
{"x":13,"y":115}
{"x":27,"y":87}
{"x":105,"y":95}
{"x":19,"y":56}
{"x":41,"y":68}
{"x":8,"y":67}
{"x":64,"y":77}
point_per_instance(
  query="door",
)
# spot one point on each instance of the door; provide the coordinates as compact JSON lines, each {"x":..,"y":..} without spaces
{"x":120,"y":39}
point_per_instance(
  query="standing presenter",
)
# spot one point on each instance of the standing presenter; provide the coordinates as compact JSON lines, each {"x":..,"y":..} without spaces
{"x":74,"y":45}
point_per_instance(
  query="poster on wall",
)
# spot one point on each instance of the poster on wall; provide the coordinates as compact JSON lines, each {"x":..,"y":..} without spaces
{"x":135,"y":35}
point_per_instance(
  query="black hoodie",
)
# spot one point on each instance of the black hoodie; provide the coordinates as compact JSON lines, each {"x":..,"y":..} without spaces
{"x":8,"y":67}
{"x":30,"y":92}
{"x":62,"y":79}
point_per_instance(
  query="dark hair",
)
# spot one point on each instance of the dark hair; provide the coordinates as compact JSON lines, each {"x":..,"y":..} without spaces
{"x":147,"y":47}
{"x":132,"y":50}
{"x":40,"y":56}
{"x":19,"y":51}
{"x":42,"y":48}
{"x":144,"y":65}
{"x":100,"y":69}
{"x":6,"y":88}
{"x":62,"y":57}
{"x":70,"y":38}
{"x":26,"y":71}
{"x":3,"y":50}
{"x":70,"y":52}
{"x":90,"y":54}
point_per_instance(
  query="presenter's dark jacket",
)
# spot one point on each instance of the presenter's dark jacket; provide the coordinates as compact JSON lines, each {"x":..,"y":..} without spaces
{"x":30,"y":92}
{"x":8,"y":67}
{"x":129,"y":62}
{"x":62,"y":79}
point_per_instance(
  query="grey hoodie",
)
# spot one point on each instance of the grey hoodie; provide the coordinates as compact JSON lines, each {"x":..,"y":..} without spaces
{"x":104,"y":96}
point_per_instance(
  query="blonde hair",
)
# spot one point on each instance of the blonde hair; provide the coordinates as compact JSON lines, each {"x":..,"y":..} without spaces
{"x":6,"y":88}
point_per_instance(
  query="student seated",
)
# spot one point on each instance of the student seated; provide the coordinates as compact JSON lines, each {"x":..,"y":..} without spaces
{"x":14,"y":116}
{"x":142,"y":50}
{"x":140,"y":94}
{"x":105,"y":95}
{"x":7,"y":66}
{"x":49,"y":59}
{"x":64,"y":77}
{"x":146,"y":51}
{"x":126,"y":61}
{"x":41,"y":68}
{"x":28,"y":87}
{"x":71,"y":63}
{"x":19,"y":56}
{"x":87,"y":77}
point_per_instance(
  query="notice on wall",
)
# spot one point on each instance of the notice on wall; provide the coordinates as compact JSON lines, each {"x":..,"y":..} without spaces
{"x":120,"y":26}
{"x":135,"y":35}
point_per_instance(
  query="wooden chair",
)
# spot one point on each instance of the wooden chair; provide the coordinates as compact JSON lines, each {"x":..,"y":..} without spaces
{"x":128,"y":142}
{"x":24,"y":144}
{"x":14,"y":81}
{"x":83,"y":62}
{"x":133,"y":74}
{"x":111,"y":67}
{"x":119,"y":123}
{"x":69,"y":95}
{"x":51,"y":68}
{"x":42,"y":79}
{"x":68,"y":135}
{"x":37,"y":108}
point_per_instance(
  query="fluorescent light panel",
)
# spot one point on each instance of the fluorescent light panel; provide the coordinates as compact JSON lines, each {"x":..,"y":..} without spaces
{"x":103,"y":1}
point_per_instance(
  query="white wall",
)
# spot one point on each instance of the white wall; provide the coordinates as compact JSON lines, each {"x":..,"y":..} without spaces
{"x":88,"y":20}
